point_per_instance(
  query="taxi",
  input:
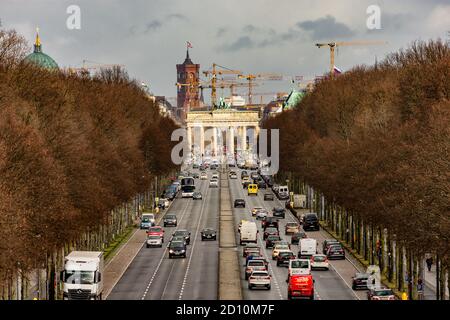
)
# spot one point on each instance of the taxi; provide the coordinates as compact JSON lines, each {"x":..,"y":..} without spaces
{"x":252,"y":189}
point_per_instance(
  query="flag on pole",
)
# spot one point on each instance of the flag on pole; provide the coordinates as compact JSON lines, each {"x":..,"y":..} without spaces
{"x":336,"y":70}
{"x":189,"y":45}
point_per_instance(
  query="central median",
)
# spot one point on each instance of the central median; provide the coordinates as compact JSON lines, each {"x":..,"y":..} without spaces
{"x":229,"y":277}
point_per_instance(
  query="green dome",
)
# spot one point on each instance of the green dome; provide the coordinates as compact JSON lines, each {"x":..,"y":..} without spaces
{"x":41,"y":59}
{"x":293,"y":99}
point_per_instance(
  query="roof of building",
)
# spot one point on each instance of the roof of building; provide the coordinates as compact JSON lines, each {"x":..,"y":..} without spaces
{"x":39,"y":58}
{"x":187,"y":60}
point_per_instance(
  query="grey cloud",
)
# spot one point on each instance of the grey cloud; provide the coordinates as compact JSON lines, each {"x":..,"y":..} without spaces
{"x":152,"y":25}
{"x":241,"y":43}
{"x":326,"y":28}
{"x":394,"y":21}
{"x":177,"y":16}
{"x":249,"y":28}
{"x":221,"y":32}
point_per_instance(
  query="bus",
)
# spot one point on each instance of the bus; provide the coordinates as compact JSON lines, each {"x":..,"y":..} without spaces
{"x":187,"y":187}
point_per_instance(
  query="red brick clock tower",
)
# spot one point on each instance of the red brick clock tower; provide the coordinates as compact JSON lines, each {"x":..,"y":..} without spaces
{"x":188,"y":75}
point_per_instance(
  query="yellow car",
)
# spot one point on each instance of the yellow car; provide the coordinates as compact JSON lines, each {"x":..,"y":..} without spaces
{"x":252,"y":188}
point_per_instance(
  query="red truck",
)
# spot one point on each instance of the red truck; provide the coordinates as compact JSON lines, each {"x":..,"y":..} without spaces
{"x":301,"y":285}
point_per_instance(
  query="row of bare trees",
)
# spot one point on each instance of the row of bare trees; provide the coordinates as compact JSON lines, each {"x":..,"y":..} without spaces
{"x":72,"y":148}
{"x":376,"y":141}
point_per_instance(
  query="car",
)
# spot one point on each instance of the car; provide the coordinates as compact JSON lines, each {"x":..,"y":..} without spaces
{"x":239,"y":203}
{"x":261,"y":184}
{"x":256,"y":256}
{"x":277,"y":248}
{"x":279,"y":212}
{"x":232,"y":173}
{"x":259,"y":278}
{"x":270,"y":240}
{"x":319,"y":261}
{"x":255,"y":209}
{"x":284,"y":257}
{"x":359,"y":281}
{"x":245,"y":182}
{"x":163,"y":203}
{"x":197,"y":195}
{"x":254,"y":175}
{"x":301,"y":285}
{"x":147,"y":220}
{"x":336,"y":251}
{"x":177,"y":249}
{"x":153,"y":241}
{"x":182,"y":232}
{"x":295,"y":238}
{"x":170,"y":195}
{"x":327,"y":243}
{"x":156,"y":231}
{"x":310,"y":221}
{"x":261,"y":214}
{"x":268,"y":197}
{"x":170,"y":220}
{"x":215,"y":175}
{"x":270,"y":231}
{"x":250,"y":247}
{"x":213,"y":183}
{"x":252,"y":189}
{"x":380,"y":293}
{"x":203,"y":176}
{"x":298,"y":266}
{"x":244,"y":174}
{"x":195,"y":175}
{"x":253,"y":265}
{"x":177,"y":184}
{"x":178,"y":238}
{"x":195,"y":166}
{"x":208,"y":234}
{"x":270,"y":222}
{"x":275,"y":188}
{"x":291,"y":228}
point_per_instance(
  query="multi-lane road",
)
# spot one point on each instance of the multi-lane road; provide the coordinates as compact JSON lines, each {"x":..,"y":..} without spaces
{"x":152,"y":275}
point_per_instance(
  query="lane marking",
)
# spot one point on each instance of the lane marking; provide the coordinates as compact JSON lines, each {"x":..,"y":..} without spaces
{"x":193,"y":246}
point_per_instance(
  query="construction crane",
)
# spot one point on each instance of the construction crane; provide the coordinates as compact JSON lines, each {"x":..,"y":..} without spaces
{"x":214,"y":72}
{"x":94,"y":66}
{"x":333,"y":45}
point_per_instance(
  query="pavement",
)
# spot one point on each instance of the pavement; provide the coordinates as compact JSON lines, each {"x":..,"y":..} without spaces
{"x":151,"y":275}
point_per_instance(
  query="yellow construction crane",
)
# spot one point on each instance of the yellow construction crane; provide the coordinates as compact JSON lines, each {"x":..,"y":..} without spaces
{"x":333,"y":45}
{"x":214,"y":73}
{"x":94,"y":66}
{"x":251,"y":78}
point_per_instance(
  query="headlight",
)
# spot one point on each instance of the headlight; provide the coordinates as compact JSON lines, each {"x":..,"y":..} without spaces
{"x":170,"y":251}
{"x":183,"y":250}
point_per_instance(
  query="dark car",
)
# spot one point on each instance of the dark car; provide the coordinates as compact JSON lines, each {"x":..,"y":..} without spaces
{"x":335,"y":251}
{"x":270,"y":241}
{"x":270,"y":222}
{"x":270,"y":231}
{"x":239,"y":203}
{"x":208,"y":234}
{"x":327,"y":243}
{"x":311,"y":222}
{"x":186,"y":234}
{"x":245,"y":184}
{"x":177,"y":249}
{"x":250,"y":247}
{"x":170,"y":220}
{"x":244,"y":174}
{"x":195,"y":175}
{"x":284,"y":257}
{"x":197,"y":195}
{"x":262,"y":184}
{"x":268,"y":196}
{"x":295,"y":238}
{"x":279,"y":212}
{"x":178,"y":238}
{"x":195,"y":166}
{"x":170,"y":195}
{"x":359,"y":281}
{"x":380,"y":294}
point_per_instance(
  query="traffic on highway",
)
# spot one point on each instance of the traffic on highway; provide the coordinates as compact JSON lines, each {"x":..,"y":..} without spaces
{"x":281,"y":256}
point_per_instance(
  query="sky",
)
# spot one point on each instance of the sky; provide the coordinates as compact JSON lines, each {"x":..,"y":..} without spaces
{"x":149,"y":37}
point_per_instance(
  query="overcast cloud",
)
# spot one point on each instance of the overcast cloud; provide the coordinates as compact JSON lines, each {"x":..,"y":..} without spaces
{"x":149,"y":36}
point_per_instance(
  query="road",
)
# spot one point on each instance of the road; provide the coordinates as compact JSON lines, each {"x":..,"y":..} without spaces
{"x":153,"y":276}
{"x":334,"y":284}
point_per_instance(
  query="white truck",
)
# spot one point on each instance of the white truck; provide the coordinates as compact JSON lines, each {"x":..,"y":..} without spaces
{"x":82,"y":275}
{"x":248,"y":232}
{"x":307,"y":247}
{"x":299,"y":201}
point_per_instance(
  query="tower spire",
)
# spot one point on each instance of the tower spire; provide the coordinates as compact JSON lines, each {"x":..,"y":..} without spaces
{"x":37,"y":44}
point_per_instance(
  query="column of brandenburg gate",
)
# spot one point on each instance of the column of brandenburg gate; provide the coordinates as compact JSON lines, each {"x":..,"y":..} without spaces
{"x":209,"y":126}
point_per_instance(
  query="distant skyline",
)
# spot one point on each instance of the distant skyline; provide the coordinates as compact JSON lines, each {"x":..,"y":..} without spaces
{"x":149,"y":36}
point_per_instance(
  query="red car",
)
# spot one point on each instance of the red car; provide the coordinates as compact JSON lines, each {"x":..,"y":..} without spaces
{"x":301,"y":286}
{"x":156,"y":231}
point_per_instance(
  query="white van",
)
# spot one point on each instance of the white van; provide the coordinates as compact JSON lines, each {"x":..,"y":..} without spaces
{"x":307,"y":247}
{"x":249,"y":232}
{"x":298,"y":266}
{"x":283,"y":193}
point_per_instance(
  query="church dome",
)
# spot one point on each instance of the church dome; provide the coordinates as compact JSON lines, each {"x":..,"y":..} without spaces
{"x":39,"y":58}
